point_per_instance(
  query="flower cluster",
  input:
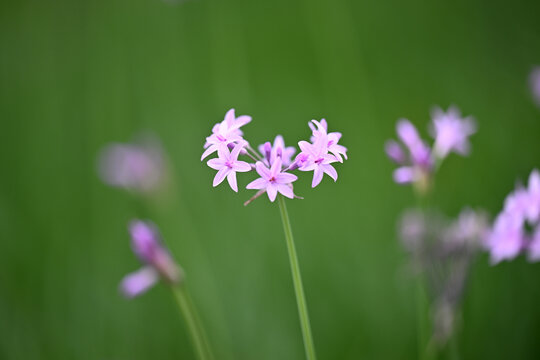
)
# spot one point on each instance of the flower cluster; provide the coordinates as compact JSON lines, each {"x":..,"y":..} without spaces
{"x":274,"y":162}
{"x":419,"y":161}
{"x":158,"y":263}
{"x":510,"y":235}
{"x":443,"y":250}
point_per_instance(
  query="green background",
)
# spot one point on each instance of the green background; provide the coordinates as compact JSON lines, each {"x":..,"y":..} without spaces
{"x":76,"y":75}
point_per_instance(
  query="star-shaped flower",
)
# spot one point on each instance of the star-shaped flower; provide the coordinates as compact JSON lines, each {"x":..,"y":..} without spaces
{"x":273,"y":180}
{"x":228,"y":165}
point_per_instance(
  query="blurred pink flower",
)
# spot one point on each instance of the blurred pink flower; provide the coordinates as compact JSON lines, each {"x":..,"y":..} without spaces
{"x":451,"y":132}
{"x":146,"y":244}
{"x":138,"y":166}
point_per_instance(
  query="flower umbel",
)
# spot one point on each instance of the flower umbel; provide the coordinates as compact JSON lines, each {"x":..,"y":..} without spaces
{"x":274,"y":164}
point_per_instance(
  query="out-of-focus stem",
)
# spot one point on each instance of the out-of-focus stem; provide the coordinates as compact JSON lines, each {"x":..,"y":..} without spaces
{"x":193,"y":323}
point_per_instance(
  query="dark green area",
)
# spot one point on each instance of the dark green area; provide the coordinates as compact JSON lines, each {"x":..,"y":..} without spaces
{"x":75,"y":75}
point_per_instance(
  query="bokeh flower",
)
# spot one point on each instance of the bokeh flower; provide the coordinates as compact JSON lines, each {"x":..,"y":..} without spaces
{"x":157,"y":261}
{"x":516,"y":228}
{"x":138,"y":166}
{"x":451,"y":132}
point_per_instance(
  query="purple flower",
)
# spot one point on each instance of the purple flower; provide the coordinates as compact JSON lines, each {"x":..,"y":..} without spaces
{"x":506,"y":240}
{"x":534,"y":80}
{"x":417,"y":164}
{"x":451,"y":132}
{"x":320,"y":130}
{"x":270,"y":152}
{"x":228,"y":165}
{"x":317,"y":159}
{"x":225,"y":133}
{"x":470,"y":230}
{"x":136,"y":167}
{"x":509,"y":235}
{"x":146,"y":244}
{"x":273,"y":180}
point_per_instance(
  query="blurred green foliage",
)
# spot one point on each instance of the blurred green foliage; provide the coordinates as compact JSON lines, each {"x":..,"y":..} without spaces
{"x":75,"y":75}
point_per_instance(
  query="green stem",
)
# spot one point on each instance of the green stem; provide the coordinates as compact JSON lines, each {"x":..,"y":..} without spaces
{"x":297,"y":280}
{"x":193,"y":323}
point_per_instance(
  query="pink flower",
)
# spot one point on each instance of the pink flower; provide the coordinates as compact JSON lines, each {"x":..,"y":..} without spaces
{"x":273,"y":180}
{"x":417,"y":164}
{"x":317,"y":159}
{"x":228,"y":165}
{"x":270,"y":152}
{"x":320,"y":130}
{"x":451,"y":132}
{"x":224,"y":133}
{"x":146,"y":244}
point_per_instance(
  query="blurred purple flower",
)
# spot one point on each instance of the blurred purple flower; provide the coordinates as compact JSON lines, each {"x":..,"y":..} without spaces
{"x":508,"y":238}
{"x":137,"y":167}
{"x":224,"y":133}
{"x":273,"y":180}
{"x":451,"y":132}
{"x":228,"y":165}
{"x":158,"y":263}
{"x":417,"y":165}
{"x":534,"y":80}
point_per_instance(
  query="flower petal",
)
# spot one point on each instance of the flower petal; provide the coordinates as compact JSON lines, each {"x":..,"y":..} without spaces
{"x":272,"y":192}
{"x":220,"y":176}
{"x":241,"y":166}
{"x":257,"y":184}
{"x":215,"y":163}
{"x":285,"y":178}
{"x":403,"y":175}
{"x":285,"y":190}
{"x":317,"y":176}
{"x":210,"y":150}
{"x":138,"y":282}
{"x":329,"y":169}
{"x":231,"y":178}
{"x":262,"y":170}
{"x":276,"y":167}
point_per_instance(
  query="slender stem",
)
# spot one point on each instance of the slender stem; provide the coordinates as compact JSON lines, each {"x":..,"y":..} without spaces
{"x":193,"y":323}
{"x":297,"y":280}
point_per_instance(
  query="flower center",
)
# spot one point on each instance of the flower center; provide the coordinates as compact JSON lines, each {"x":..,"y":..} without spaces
{"x":221,"y":138}
{"x":272,"y":179}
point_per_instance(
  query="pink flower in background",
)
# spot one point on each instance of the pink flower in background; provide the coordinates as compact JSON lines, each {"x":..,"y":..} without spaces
{"x":274,"y":163}
{"x":451,"y":132}
{"x":510,"y":234}
{"x":416,"y":164}
{"x":228,"y":165}
{"x":273,"y":180}
{"x":534,"y":80}
{"x":138,"y":166}
{"x":158,"y":263}
{"x":416,"y":159}
{"x":224,"y":133}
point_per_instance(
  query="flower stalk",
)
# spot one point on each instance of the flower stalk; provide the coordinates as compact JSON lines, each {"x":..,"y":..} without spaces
{"x":297,"y":280}
{"x":193,"y":323}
